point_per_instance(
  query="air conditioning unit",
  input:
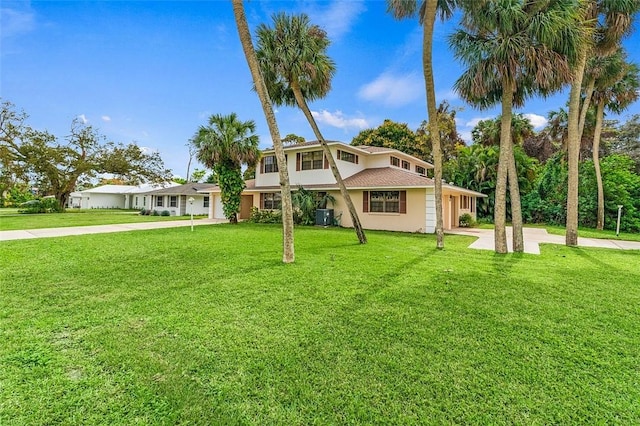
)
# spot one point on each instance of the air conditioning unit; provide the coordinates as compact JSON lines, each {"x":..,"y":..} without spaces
{"x":324,"y":217}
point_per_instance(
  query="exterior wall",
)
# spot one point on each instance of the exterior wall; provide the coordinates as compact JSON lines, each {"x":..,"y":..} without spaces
{"x":95,"y":200}
{"x":198,"y":205}
{"x":430,"y":207}
{"x":216,"y":202}
{"x":412,"y":221}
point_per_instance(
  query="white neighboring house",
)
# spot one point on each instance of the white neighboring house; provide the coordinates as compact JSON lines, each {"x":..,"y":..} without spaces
{"x":175,"y":199}
{"x":115,"y":197}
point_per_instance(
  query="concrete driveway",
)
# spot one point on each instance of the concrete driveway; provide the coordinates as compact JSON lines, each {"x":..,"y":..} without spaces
{"x":533,"y":237}
{"x":100,"y":229}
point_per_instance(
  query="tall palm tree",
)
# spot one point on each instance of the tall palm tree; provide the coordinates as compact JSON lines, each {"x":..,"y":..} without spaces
{"x":513,"y":50}
{"x":616,"y":86}
{"x":288,"y":252}
{"x":604,"y":23}
{"x":296,"y":68}
{"x":224,"y":145}
{"x":426,"y":12}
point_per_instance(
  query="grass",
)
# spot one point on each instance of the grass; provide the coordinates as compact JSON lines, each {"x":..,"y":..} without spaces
{"x":11,"y":220}
{"x":209,"y":327}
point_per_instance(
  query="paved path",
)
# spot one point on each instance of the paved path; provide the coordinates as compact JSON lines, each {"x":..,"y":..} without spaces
{"x":99,"y":229}
{"x":533,"y":237}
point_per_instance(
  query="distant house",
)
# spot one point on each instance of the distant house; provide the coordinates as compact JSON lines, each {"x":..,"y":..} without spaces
{"x":114,"y":197}
{"x":175,"y":199}
{"x":390,"y":189}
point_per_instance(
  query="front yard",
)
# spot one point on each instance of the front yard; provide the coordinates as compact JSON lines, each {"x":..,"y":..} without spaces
{"x":209,"y":327}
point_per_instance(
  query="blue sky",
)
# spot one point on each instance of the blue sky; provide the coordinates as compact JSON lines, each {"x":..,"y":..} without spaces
{"x":151,"y":72}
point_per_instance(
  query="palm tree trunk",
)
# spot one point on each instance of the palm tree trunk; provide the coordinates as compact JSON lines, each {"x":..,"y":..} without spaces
{"x":500,"y":208}
{"x":586,"y":103}
{"x":516,"y":207}
{"x":288,"y":253}
{"x":302,"y":103}
{"x":573,"y":150}
{"x":427,"y":64}
{"x":596,"y":163}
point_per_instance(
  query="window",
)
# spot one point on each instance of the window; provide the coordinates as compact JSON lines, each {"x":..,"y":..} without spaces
{"x":311,"y":160}
{"x":136,"y":200}
{"x":206,"y":201}
{"x":347,"y":156}
{"x":406,"y":165}
{"x":144,"y":201}
{"x":384,"y":201}
{"x":270,"y":201}
{"x":473,"y":204}
{"x":269,"y":164}
{"x":173,"y":201}
{"x":464,"y":202}
{"x":421,"y":170}
{"x":159,"y":200}
{"x":395,"y":161}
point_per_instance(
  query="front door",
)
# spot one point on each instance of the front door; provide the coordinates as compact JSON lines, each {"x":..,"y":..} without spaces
{"x":246,"y":202}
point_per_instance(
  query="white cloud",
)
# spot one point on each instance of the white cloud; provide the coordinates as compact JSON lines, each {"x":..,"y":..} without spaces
{"x":339,"y":17}
{"x":338,"y":119}
{"x":106,"y":118}
{"x":14,"y":22}
{"x":83,"y":118}
{"x":392,"y":90}
{"x":474,"y":121}
{"x":466,"y":136}
{"x":537,"y":121}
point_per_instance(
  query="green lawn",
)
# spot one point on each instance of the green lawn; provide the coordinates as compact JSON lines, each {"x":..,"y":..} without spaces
{"x":209,"y":327}
{"x":10,"y":219}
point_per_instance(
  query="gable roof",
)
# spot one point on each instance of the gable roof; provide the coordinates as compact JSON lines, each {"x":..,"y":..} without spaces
{"x":124,"y":189}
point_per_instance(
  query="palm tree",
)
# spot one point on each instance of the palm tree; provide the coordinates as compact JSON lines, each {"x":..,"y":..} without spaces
{"x":296,"y":68}
{"x":224,"y":146}
{"x":512,"y":49}
{"x":426,"y":12}
{"x":604,"y":23}
{"x":288,"y":253}
{"x":616,"y":86}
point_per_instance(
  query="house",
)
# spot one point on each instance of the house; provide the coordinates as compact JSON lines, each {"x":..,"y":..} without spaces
{"x":390,"y":189}
{"x":182,"y":199}
{"x":114,"y":197}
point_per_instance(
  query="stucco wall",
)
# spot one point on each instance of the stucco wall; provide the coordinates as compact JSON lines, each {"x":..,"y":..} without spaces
{"x":412,"y":221}
{"x":103,"y":201}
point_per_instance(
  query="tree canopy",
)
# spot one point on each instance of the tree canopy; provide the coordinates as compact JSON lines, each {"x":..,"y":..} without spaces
{"x":55,"y":167}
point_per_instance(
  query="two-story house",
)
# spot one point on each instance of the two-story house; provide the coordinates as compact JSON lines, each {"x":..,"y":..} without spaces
{"x":390,"y":189}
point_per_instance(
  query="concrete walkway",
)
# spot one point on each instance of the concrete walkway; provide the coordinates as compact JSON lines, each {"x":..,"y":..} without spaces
{"x":533,"y":237}
{"x":100,"y":229}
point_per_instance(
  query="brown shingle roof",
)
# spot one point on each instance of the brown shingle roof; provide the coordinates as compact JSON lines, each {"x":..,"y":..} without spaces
{"x":387,"y":177}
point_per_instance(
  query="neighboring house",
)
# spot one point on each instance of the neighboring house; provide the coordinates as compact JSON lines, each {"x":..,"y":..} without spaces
{"x":389,"y":188}
{"x":114,"y":197}
{"x":176,"y":199}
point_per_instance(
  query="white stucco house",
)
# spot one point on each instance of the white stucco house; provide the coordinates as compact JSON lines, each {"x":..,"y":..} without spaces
{"x":115,"y":196}
{"x":390,"y":189}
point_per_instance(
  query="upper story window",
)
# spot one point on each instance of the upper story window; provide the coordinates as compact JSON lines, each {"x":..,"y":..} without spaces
{"x":395,"y":161}
{"x":269,"y":164}
{"x":310,"y":161}
{"x":347,"y":156}
{"x":406,"y":165}
{"x":421,"y":170}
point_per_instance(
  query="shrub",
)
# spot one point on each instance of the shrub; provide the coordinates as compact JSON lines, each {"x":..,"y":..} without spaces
{"x":155,"y":213}
{"x":265,"y":216}
{"x":165,"y":213}
{"x":45,"y":205}
{"x":466,"y":221}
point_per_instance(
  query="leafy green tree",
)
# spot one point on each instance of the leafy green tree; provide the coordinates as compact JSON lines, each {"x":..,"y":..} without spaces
{"x":288,"y":251}
{"x":391,"y":134}
{"x":512,"y":50}
{"x":57,"y":167}
{"x":450,"y":139}
{"x":627,"y":140}
{"x":296,"y":68}
{"x":224,"y":145}
{"x":293,"y":139}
